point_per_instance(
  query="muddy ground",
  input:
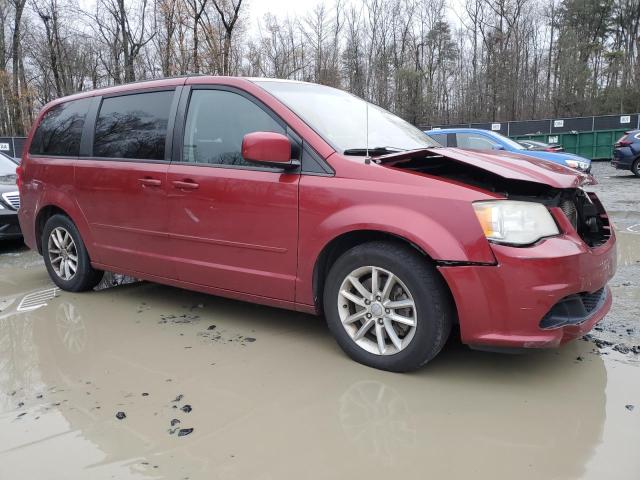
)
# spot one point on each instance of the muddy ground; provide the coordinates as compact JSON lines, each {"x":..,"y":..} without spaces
{"x":146,"y":381}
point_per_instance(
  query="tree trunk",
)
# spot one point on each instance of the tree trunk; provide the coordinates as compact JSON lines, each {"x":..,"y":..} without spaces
{"x":18,"y":123}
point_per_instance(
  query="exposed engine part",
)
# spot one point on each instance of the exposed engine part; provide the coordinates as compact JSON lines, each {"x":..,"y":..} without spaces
{"x":583,"y":209}
{"x":570,"y":210}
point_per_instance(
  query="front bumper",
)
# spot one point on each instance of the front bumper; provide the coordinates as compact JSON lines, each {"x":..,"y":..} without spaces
{"x":504,"y":305}
{"x":9,"y":225}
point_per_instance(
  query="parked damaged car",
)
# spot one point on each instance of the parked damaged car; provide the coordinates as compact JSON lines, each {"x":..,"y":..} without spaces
{"x":479,"y":139}
{"x":305,"y":197}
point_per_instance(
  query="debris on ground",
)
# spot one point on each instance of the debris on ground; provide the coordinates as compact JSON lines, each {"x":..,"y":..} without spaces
{"x":186,"y":408}
{"x":178,"y":319}
{"x":121,"y":415}
{"x":622,"y":348}
{"x":219,"y":335}
{"x":184,"y":431}
{"x":618,"y":347}
{"x":629,"y":407}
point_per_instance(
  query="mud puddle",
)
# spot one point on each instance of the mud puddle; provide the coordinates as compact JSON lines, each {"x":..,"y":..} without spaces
{"x":97,"y":385}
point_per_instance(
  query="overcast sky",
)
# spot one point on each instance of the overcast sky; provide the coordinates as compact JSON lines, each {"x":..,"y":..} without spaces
{"x":281,"y":8}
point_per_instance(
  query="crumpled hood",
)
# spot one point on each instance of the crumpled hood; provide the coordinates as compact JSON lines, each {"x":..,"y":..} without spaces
{"x":505,"y":164}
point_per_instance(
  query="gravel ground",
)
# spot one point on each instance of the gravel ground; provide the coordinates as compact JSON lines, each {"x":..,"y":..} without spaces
{"x":619,"y":191}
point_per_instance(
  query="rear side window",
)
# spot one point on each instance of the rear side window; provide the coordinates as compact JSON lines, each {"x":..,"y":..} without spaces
{"x":60,"y":130}
{"x":217,"y":121}
{"x":470,"y":140}
{"x":133,"y":126}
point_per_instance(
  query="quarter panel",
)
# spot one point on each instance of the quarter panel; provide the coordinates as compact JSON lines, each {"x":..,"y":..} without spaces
{"x":50,"y":182}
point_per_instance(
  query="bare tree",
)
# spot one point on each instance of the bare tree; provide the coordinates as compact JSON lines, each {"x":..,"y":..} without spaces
{"x":229,"y":11}
{"x":16,"y":55}
{"x":500,"y":60}
{"x":197,"y":9}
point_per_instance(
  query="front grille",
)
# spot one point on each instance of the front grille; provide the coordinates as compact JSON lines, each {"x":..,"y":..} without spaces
{"x":13,"y":199}
{"x":574,"y":309}
{"x":591,"y":300}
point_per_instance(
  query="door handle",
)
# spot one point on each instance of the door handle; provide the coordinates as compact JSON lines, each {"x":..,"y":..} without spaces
{"x":150,"y":182}
{"x":183,"y":185}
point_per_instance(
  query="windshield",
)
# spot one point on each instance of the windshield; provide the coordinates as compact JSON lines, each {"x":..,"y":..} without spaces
{"x":7,"y":166}
{"x":341,"y":118}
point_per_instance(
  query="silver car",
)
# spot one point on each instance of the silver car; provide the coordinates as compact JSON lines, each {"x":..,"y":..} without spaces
{"x":9,"y":199}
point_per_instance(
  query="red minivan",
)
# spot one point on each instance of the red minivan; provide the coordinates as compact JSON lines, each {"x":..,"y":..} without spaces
{"x":305,"y":197}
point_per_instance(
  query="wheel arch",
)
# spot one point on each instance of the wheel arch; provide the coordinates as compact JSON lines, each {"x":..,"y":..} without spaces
{"x":44,"y":214}
{"x":347,"y":240}
{"x":52,"y":207}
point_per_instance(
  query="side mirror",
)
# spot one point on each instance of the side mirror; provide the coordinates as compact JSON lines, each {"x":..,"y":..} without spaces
{"x":269,"y":149}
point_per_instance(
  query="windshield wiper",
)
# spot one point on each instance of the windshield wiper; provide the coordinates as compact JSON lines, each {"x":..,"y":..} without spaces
{"x":373,"y":151}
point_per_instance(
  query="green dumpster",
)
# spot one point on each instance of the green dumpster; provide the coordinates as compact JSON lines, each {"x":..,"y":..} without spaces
{"x":596,"y":145}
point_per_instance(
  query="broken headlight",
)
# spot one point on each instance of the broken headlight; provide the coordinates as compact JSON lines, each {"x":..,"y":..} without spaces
{"x":514,"y":222}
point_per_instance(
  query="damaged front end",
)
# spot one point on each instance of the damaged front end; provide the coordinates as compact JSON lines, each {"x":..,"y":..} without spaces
{"x":544,"y":289}
{"x":515,"y":177}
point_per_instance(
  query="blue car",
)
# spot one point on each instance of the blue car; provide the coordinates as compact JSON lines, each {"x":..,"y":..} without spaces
{"x":478,"y":139}
{"x":626,"y":152}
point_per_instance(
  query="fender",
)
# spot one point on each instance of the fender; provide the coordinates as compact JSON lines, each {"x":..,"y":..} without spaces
{"x":416,"y":227}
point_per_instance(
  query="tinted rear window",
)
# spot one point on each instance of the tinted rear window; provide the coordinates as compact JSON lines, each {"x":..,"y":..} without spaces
{"x":133,"y":126}
{"x":60,"y":130}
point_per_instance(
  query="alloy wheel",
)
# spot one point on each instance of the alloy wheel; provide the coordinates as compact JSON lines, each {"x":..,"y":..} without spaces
{"x":63,"y":253}
{"x":377,"y":310}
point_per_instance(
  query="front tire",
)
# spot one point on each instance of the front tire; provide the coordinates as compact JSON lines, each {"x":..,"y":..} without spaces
{"x":387,"y":306}
{"x":635,"y":167}
{"x":66,"y":257}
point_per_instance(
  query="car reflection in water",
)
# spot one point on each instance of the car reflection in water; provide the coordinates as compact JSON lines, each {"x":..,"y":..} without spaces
{"x":283,"y":406}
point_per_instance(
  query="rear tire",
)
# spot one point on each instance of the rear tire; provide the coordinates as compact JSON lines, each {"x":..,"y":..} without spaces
{"x":635,"y":167}
{"x":403,"y":326}
{"x":66,"y":257}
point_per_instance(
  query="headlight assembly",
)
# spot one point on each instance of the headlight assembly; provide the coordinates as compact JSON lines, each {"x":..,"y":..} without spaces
{"x":577,"y":164}
{"x":514,"y":222}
